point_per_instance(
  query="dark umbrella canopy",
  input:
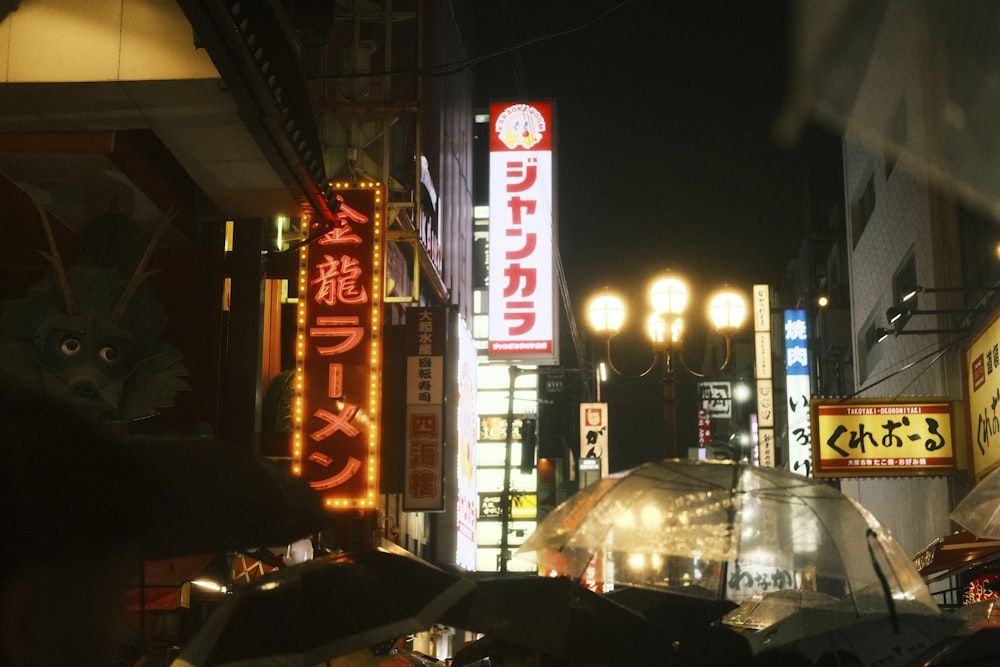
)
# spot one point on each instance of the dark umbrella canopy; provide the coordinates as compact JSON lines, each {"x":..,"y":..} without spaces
{"x":322,"y":609}
{"x":872,"y":639}
{"x":978,"y":649}
{"x":674,"y":615}
{"x":217,"y":496}
{"x":557,"y":617}
{"x":69,"y":482}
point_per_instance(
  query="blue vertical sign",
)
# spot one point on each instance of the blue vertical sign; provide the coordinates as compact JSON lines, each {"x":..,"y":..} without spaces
{"x":798,"y":392}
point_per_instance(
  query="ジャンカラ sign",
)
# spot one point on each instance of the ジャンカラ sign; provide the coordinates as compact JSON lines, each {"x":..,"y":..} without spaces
{"x":872,"y":438}
{"x":522,"y":297}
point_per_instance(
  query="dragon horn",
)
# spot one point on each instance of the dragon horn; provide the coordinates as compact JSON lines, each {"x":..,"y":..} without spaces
{"x":55,"y":259}
{"x":138,"y":276}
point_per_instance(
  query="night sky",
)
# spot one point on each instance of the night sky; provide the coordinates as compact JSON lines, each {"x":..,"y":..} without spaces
{"x":666,"y":156}
{"x":664,"y":115}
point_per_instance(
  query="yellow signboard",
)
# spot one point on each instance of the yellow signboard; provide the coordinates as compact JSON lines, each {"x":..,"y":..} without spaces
{"x":981,"y":365}
{"x":881,"y":438}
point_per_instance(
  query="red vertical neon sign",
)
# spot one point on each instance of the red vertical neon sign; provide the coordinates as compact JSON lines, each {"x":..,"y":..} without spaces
{"x":338,"y":352}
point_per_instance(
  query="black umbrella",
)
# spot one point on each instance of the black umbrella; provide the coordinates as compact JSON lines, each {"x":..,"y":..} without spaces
{"x":978,"y":649}
{"x":69,"y":483}
{"x":204,"y":495}
{"x":325,"y":608}
{"x":673,"y":614}
{"x":558,"y":617}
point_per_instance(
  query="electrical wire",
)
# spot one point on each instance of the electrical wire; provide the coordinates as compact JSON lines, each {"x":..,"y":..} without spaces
{"x":449,"y":69}
{"x":933,"y":355}
{"x":520,"y":80}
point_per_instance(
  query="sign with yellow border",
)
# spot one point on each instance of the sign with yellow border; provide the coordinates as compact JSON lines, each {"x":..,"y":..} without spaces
{"x":981,"y":373}
{"x":882,"y":437}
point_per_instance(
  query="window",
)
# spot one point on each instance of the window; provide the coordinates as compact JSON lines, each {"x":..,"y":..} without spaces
{"x":897,"y":133}
{"x":903,"y":282}
{"x":869,"y":350}
{"x":862,"y":209}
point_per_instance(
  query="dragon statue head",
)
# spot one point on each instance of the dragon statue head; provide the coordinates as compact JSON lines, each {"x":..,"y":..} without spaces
{"x":91,"y":333}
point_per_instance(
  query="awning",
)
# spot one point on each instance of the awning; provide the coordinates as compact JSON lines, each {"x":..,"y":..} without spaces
{"x":953,"y":554}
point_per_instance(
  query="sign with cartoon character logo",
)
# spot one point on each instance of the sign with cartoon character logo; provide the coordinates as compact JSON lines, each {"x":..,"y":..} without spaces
{"x":523,"y":321}
{"x":594,"y":433}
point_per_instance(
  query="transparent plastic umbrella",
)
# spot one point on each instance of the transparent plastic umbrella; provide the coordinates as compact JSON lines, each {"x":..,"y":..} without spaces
{"x":727,"y":530}
{"x":979,"y":510}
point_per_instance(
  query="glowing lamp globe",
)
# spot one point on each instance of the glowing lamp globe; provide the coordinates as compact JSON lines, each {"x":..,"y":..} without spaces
{"x":607,"y":314}
{"x":669,"y":296}
{"x":727,"y":310}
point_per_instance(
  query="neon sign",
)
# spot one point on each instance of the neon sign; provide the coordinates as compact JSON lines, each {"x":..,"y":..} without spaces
{"x":335,"y":443}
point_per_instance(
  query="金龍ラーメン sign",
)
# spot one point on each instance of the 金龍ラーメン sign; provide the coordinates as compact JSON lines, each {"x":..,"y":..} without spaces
{"x":335,"y":445}
{"x":870,"y":438}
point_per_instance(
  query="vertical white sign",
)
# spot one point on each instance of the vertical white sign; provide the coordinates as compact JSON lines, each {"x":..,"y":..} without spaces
{"x":594,"y":433}
{"x":468,"y":434}
{"x":798,"y":392}
{"x":523,"y":316}
{"x":765,"y":394}
{"x":426,"y":344}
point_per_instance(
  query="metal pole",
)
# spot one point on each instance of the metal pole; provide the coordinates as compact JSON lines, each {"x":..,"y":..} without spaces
{"x":514,"y":371}
{"x":669,"y":407}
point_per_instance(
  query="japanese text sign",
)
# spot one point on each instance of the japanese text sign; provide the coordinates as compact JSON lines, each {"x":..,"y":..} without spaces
{"x":338,"y":352}
{"x":704,"y":428}
{"x":798,"y":392}
{"x":594,"y":433}
{"x":871,"y":438}
{"x":426,"y":337}
{"x":716,"y":399}
{"x":522,"y":303}
{"x":763,"y":373}
{"x":467,"y":412}
{"x":981,"y":371}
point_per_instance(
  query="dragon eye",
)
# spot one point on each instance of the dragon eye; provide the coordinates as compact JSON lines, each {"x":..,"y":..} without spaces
{"x":69,"y":346}
{"x":108,"y":354}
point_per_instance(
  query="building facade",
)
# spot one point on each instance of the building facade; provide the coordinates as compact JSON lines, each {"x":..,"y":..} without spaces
{"x":889,"y":79}
{"x":232,"y":134}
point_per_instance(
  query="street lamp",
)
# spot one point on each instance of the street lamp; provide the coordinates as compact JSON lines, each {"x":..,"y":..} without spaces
{"x":665,"y":328}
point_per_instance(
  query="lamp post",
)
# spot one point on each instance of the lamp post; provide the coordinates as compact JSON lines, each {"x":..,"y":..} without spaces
{"x":665,"y":327}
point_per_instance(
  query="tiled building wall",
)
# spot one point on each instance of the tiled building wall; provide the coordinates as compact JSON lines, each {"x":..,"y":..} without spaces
{"x":902,"y":216}
{"x":914,"y":508}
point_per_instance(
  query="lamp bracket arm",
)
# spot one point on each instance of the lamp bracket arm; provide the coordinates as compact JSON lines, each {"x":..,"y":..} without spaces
{"x":684,"y":365}
{"x":629,"y":376}
{"x":704,"y":376}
